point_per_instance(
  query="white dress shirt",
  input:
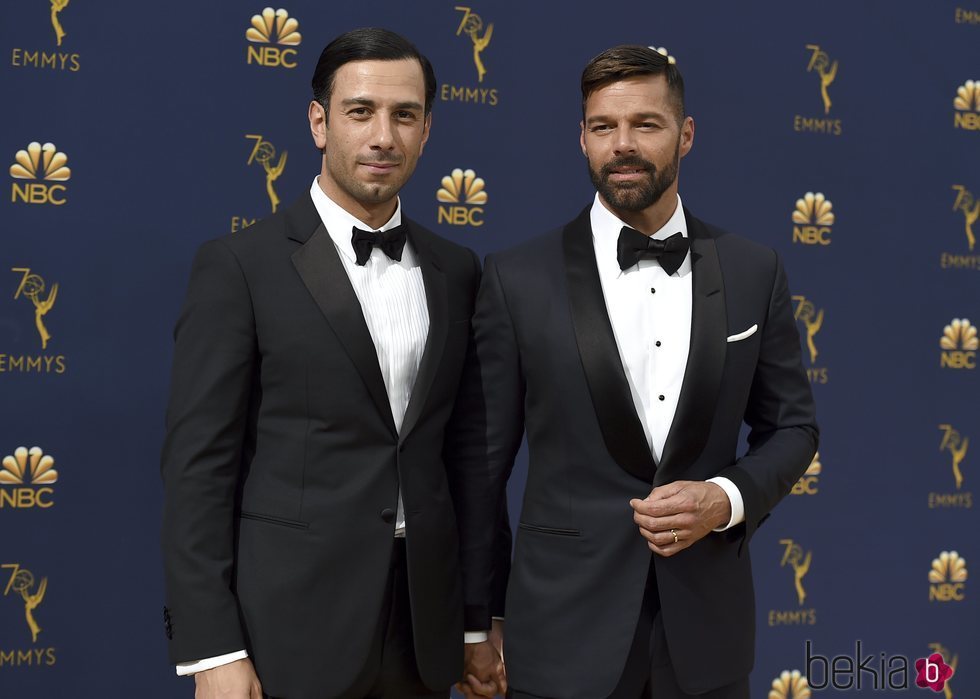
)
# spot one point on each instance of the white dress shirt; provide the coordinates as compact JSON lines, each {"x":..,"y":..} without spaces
{"x":392,"y":298}
{"x":650,"y":314}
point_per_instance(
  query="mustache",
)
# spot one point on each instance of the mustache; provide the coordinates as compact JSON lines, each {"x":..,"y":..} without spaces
{"x":381,"y":157}
{"x":631,"y":161}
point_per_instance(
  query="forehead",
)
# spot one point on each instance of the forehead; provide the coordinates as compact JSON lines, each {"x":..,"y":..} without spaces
{"x":401,"y":80}
{"x":641,"y":93}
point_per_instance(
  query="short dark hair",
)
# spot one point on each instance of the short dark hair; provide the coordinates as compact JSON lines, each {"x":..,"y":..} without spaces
{"x":627,"y":61}
{"x":367,"y":44}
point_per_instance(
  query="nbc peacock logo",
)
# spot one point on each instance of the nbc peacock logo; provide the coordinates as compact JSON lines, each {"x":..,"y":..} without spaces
{"x":959,"y":345}
{"x":38,"y":172}
{"x":947,"y":578}
{"x":813,"y":217}
{"x":807,"y":485}
{"x":272,"y":36}
{"x":790,"y":685}
{"x":464,"y":196}
{"x":967,"y":106}
{"x":27,"y":475}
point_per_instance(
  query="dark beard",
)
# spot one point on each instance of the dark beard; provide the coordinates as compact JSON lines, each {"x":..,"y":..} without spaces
{"x":634,"y":196}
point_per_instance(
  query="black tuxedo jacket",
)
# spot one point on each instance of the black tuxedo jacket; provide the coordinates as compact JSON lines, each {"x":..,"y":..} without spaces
{"x":282,"y":465}
{"x":546,"y":361}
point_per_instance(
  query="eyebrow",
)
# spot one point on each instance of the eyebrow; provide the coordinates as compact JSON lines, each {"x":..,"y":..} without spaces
{"x":367,"y":102}
{"x":641,"y":116}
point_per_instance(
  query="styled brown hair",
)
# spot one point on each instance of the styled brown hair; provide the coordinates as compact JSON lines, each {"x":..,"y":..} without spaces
{"x":627,"y":61}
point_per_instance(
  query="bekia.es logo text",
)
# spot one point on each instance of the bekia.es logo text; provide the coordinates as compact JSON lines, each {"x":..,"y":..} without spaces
{"x":891,"y":672}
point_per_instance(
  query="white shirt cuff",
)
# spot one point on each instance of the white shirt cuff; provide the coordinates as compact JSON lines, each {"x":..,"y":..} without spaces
{"x":735,"y":497}
{"x":475,"y":636}
{"x":209,"y":663}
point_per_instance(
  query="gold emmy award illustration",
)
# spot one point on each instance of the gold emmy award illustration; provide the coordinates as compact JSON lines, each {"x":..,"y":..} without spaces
{"x":21,"y":581}
{"x":800,"y":563}
{"x":472,"y":24}
{"x":970,"y":206}
{"x":812,"y":319}
{"x":56,"y":7}
{"x":820,"y":62}
{"x":956,"y":445}
{"x":263,"y":153}
{"x":32,"y":286}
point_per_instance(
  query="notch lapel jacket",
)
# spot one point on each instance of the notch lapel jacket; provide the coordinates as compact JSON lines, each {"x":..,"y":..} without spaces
{"x":282,"y":464}
{"x":545,"y":360}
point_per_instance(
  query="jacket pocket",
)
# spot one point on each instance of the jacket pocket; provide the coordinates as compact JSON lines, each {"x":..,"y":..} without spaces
{"x":554,"y":531}
{"x":270,"y":519}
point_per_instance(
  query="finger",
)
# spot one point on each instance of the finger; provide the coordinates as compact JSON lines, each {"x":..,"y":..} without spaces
{"x":667,"y":490}
{"x":483,"y":689}
{"x":661,"y":524}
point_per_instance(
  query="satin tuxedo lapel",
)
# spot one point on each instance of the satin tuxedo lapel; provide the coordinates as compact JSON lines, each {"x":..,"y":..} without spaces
{"x":321,"y":270}
{"x":706,"y":359}
{"x":608,"y":386}
{"x":437,"y":299}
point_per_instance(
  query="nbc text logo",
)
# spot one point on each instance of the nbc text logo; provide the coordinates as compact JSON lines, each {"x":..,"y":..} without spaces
{"x":807,"y":485}
{"x":826,"y":69}
{"x":51,"y":60}
{"x":31,"y":472}
{"x":790,"y":685}
{"x":273,"y":27}
{"x":39,"y":162}
{"x":811,"y":320}
{"x":947,"y":578}
{"x":798,"y":560}
{"x":967,"y":106}
{"x":478,"y":36}
{"x":814,"y":218}
{"x":467,"y":193}
{"x":959,"y":344}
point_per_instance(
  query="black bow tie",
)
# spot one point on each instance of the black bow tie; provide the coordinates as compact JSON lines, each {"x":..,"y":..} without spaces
{"x":633,"y":246}
{"x":391,"y":242}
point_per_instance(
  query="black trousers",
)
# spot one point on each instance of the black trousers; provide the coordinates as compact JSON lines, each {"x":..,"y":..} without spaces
{"x":391,"y":671}
{"x":648,"y":673}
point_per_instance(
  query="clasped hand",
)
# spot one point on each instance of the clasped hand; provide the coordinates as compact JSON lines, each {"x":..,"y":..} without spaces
{"x":484,"y":674}
{"x":675,"y":516}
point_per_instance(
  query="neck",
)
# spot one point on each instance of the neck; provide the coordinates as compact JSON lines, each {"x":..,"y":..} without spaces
{"x":374,"y":214}
{"x":651,"y":219}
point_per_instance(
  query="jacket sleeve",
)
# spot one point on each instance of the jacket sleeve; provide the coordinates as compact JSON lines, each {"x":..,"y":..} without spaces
{"x":213,"y":369}
{"x":482,"y":441}
{"x":780,"y":414}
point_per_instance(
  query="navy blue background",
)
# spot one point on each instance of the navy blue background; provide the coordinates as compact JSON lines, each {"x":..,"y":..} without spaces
{"x":154,"y":126}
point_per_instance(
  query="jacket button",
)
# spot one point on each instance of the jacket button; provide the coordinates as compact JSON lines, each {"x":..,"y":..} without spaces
{"x":388,"y":515}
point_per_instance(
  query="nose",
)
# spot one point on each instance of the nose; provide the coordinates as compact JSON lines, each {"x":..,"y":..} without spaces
{"x":383,"y":135}
{"x":625,"y":142}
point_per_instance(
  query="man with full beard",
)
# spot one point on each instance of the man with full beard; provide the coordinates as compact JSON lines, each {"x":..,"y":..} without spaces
{"x":631,"y":344}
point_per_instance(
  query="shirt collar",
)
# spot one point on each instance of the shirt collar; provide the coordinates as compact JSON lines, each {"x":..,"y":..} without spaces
{"x":606,"y":227}
{"x":340,"y":223}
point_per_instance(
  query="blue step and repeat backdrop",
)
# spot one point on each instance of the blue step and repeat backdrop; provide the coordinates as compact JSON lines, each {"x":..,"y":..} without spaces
{"x":844,"y":134}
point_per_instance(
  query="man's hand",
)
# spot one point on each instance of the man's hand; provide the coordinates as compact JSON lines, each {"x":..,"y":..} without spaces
{"x":674,"y":516}
{"x":483,"y":671}
{"x":235,"y":680}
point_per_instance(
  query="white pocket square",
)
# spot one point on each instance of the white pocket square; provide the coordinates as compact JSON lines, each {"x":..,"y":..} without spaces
{"x":742,"y":335}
